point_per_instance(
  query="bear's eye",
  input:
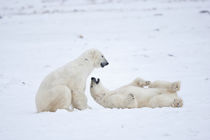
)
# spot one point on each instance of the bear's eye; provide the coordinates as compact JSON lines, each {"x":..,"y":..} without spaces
{"x":102,"y":56}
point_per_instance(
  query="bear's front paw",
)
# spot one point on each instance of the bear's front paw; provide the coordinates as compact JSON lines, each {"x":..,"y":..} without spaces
{"x":131,"y":97}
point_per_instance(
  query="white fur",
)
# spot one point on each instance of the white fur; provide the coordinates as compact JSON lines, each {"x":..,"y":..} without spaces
{"x":170,"y":86}
{"x":139,"y":82}
{"x":65,"y":86}
{"x":112,"y":99}
{"x":142,"y":97}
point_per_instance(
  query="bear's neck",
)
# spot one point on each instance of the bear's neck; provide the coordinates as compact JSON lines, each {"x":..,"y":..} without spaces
{"x":99,"y":98}
{"x":100,"y":95}
{"x":84,"y":67}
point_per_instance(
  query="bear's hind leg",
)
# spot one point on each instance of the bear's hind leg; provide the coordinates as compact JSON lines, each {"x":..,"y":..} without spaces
{"x":60,"y":98}
{"x":177,"y":102}
{"x":163,"y":100}
{"x":79,"y":101}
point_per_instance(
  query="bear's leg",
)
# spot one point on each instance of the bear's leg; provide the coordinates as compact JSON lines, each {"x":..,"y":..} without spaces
{"x":153,"y":102}
{"x":60,"y":98}
{"x":162,"y":100}
{"x":79,"y":101}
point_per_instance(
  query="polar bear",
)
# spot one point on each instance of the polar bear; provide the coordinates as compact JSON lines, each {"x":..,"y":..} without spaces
{"x":172,"y":87}
{"x":65,"y":86}
{"x":111,"y":99}
{"x":141,"y":97}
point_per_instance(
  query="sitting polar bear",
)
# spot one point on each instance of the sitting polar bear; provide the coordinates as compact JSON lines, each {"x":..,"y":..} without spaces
{"x":65,"y":86}
{"x":132,"y":96}
{"x":172,"y":87}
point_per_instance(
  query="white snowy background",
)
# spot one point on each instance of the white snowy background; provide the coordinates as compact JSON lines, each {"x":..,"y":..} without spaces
{"x":152,"y":39}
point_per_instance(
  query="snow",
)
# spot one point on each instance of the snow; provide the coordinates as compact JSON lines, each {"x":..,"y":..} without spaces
{"x":156,"y":40}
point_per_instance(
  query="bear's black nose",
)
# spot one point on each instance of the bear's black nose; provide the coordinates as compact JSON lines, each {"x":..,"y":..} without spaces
{"x":93,"y":78}
{"x":103,"y":64}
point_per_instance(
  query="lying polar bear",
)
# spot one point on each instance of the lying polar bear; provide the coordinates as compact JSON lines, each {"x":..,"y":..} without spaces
{"x":172,"y":87}
{"x":65,"y":86}
{"x":132,"y":96}
{"x":109,"y":99}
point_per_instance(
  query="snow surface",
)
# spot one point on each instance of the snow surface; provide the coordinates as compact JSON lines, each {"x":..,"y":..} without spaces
{"x":156,"y":40}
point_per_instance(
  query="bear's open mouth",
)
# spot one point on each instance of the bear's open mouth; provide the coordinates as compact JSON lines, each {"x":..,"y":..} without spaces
{"x":93,"y":79}
{"x":98,"y":80}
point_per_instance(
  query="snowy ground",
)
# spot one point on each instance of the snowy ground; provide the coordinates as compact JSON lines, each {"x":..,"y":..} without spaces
{"x":156,"y":40}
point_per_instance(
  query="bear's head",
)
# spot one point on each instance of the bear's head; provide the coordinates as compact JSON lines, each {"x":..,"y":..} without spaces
{"x":96,"y":87}
{"x":96,"y":58}
{"x":97,"y":90}
{"x":94,"y":82}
